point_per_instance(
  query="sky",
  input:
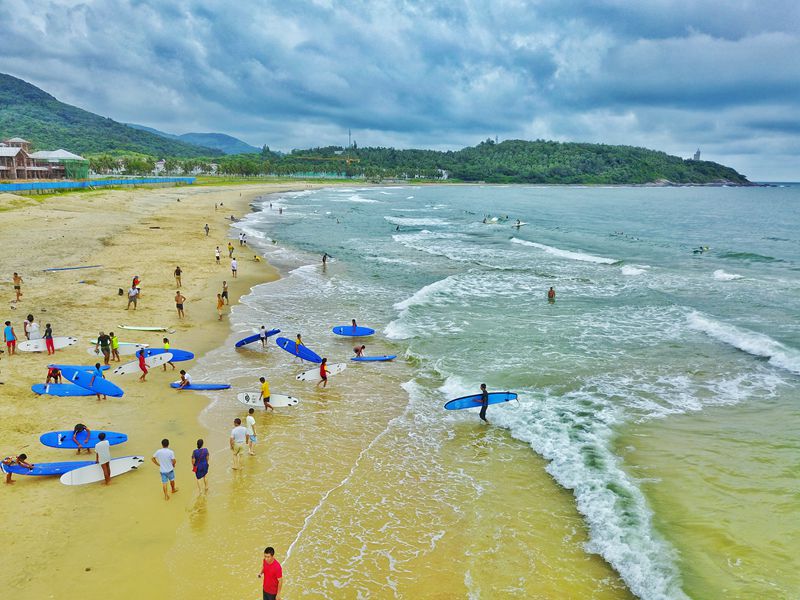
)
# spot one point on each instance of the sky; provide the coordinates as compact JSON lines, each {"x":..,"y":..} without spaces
{"x":677,"y":75}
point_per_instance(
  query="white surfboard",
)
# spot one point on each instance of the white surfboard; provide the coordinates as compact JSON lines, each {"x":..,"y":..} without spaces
{"x":38,"y":345}
{"x":313,"y":374}
{"x":134,"y":328}
{"x":150,"y":361}
{"x":275,"y":400}
{"x":123,"y":350}
{"x":94,"y":473}
{"x":520,"y":224}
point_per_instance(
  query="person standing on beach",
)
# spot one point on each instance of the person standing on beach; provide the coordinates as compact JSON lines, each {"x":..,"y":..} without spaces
{"x":165,"y":341}
{"x":239,"y":438}
{"x":178,"y":273}
{"x":97,"y":372}
{"x":220,"y":306}
{"x":484,"y":401}
{"x":179,"y":300}
{"x":102,"y":450}
{"x":234,"y":267}
{"x":225,"y":292}
{"x":114,"y":347}
{"x":142,"y":365}
{"x":323,"y":373}
{"x":17,"y":286}
{"x":200,"y":460}
{"x":48,"y":339}
{"x":265,"y":393}
{"x":262,"y":336}
{"x":207,"y":227}
{"x":80,"y":430}
{"x":133,"y":297}
{"x":230,"y":250}
{"x":10,"y":337}
{"x":325,"y":258}
{"x":250,"y":425}
{"x":165,"y":460}
{"x":551,"y":295}
{"x":217,"y":254}
{"x":272,"y":574}
{"x":103,"y":345}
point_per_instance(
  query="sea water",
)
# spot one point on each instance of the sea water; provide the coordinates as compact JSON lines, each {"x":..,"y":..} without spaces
{"x":658,"y":390}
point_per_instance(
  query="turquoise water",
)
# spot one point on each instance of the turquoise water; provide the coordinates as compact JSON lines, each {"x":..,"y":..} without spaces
{"x":644,"y":332}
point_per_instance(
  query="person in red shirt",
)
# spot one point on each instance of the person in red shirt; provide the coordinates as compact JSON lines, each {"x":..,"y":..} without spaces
{"x":142,"y":365}
{"x":323,"y":373}
{"x":272,"y":573}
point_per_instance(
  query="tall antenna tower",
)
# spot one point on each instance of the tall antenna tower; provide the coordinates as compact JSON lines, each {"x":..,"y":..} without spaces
{"x":349,"y":138}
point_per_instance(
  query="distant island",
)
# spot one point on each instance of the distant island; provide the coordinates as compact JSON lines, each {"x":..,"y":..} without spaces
{"x":112,"y":147}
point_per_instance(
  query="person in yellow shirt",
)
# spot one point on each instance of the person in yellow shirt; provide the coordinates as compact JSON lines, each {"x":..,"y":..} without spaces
{"x":220,"y":305}
{"x":264,"y":395}
{"x":114,"y":347}
{"x":166,"y":349}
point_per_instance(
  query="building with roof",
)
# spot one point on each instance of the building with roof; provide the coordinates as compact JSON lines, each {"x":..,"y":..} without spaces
{"x":18,"y":162}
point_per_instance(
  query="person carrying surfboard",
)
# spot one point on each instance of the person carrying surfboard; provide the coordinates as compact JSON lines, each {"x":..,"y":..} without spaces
{"x":484,"y":401}
{"x":265,"y":394}
{"x":20,"y":460}
{"x":323,"y":373}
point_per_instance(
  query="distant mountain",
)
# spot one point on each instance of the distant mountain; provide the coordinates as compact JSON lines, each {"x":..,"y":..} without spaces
{"x":31,"y":113}
{"x":226,"y":143}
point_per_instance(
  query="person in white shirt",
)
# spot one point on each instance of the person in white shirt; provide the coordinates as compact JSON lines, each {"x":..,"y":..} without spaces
{"x":186,"y":380}
{"x":133,"y":297}
{"x":234,"y":266}
{"x":165,"y":459}
{"x":262,"y":335}
{"x":239,"y":438}
{"x":250,"y":425}
{"x":103,"y":451}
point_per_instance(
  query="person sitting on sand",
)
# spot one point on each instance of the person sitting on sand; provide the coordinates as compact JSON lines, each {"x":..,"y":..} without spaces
{"x":20,"y":460}
{"x":53,"y":375}
{"x":186,"y":380}
{"x":359,"y":350}
{"x":256,"y":258}
{"x":81,"y":432}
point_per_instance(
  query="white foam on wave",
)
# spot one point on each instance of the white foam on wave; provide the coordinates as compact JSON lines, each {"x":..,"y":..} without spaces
{"x":566,"y":253}
{"x":751,"y":342}
{"x":721,"y":275}
{"x":424,"y":294}
{"x":411,"y":222}
{"x":633,"y":270}
{"x":356,"y":198}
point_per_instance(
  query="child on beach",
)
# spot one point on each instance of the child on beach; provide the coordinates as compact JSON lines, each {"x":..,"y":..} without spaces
{"x":220,"y":305}
{"x":323,"y":373}
{"x":165,"y":341}
{"x":81,"y":431}
{"x":265,"y":393}
{"x":230,"y":250}
{"x":97,"y":372}
{"x":48,"y":339}
{"x":142,"y":365}
{"x":186,"y":380}
{"x":20,"y":460}
{"x":262,"y":336}
{"x":10,"y":337}
{"x":234,"y":267}
{"x":114,"y":347}
{"x":359,"y":350}
{"x":200,"y":460}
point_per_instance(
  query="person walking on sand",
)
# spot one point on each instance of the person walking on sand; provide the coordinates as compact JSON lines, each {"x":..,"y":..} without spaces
{"x":165,"y":341}
{"x":217,"y":254}
{"x":21,"y":460}
{"x":250,"y":425}
{"x":220,"y":306}
{"x":241,"y":239}
{"x":207,"y":227}
{"x":234,"y":267}
{"x":17,"y":287}
{"x":133,"y":297}
{"x":97,"y":372}
{"x":484,"y":402}
{"x":103,"y":345}
{"x":239,"y":439}
{"x":102,"y":450}
{"x":359,"y":350}
{"x":551,"y":295}
{"x":164,"y":458}
{"x":230,"y":250}
{"x":178,"y":273}
{"x":142,"y":366}
{"x":200,"y":460}
{"x":186,"y":380}
{"x":272,"y":574}
{"x":265,"y":394}
{"x":225,"y":292}
{"x":114,"y":347}
{"x":179,"y":300}
{"x":78,"y":432}
{"x":10,"y":337}
{"x":48,"y":339}
{"x":323,"y":373}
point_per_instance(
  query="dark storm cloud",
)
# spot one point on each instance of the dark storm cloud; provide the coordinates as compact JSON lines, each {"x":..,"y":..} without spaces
{"x":668,"y":75}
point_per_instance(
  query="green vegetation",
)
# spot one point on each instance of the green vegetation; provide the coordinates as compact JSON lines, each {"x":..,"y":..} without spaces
{"x":26,"y":111}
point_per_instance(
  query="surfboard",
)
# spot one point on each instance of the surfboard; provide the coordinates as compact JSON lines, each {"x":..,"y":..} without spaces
{"x":63,"y":439}
{"x":254,"y":338}
{"x":302,"y":351}
{"x":474,"y":401}
{"x":135,"y":328}
{"x":71,"y":268}
{"x":351,"y":331}
{"x":84,"y":379}
{"x":38,"y":345}
{"x":520,"y":224}
{"x":60,"y":389}
{"x":374,"y":358}
{"x":150,"y":361}
{"x":275,"y":400}
{"x":313,"y":374}
{"x":47,"y":469}
{"x":84,"y":367}
{"x":177,"y":354}
{"x":201,"y":386}
{"x":94,"y":473}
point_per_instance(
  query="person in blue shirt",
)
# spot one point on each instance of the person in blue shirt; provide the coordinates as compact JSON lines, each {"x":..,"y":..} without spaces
{"x":97,"y":372}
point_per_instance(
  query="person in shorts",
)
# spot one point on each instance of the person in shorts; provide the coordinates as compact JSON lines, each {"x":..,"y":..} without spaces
{"x":179,"y":300}
{"x":200,"y":460}
{"x":10,"y":337}
{"x":133,"y":297}
{"x":53,"y":375}
{"x":250,"y":426}
{"x":323,"y":373}
{"x":114,"y":347}
{"x":103,"y":345}
{"x":234,"y":267}
{"x":103,"y":451}
{"x":217,"y":254}
{"x":225,"y":292}
{"x":239,"y":440}
{"x":164,"y":458}
{"x":18,"y":286}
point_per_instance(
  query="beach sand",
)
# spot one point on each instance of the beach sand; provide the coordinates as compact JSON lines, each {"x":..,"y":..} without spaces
{"x":125,"y":541}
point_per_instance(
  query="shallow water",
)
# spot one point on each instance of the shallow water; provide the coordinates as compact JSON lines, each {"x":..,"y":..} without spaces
{"x":649,"y":347}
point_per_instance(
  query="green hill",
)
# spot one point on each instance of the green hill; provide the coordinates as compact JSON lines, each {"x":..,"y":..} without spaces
{"x":28,"y":112}
{"x":219,"y":141}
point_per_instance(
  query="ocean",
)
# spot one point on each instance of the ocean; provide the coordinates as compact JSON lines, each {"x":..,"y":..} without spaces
{"x":653,"y":449}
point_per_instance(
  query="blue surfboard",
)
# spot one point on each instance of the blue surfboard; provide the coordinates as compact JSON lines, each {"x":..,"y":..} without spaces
{"x":254,"y":338}
{"x":63,"y":439}
{"x":87,"y":379}
{"x":301,"y":352}
{"x":177,"y":355}
{"x":202,"y":386}
{"x":84,"y":367}
{"x":374,"y":358}
{"x":351,"y":331}
{"x":45,"y":469}
{"x":474,"y":401}
{"x":60,"y":389}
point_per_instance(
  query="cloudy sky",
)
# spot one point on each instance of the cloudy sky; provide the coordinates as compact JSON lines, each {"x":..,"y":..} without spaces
{"x":674,"y":75}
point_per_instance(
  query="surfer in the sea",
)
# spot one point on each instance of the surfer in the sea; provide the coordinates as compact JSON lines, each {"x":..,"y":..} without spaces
{"x":551,"y":295}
